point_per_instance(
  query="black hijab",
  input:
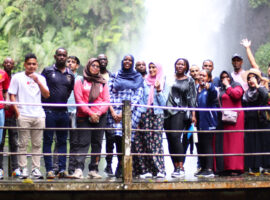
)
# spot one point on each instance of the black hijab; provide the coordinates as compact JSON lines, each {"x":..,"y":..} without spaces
{"x":233,"y":84}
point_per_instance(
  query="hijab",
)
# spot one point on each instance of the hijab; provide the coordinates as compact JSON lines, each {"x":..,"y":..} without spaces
{"x":127,"y":78}
{"x":96,"y":80}
{"x":252,"y":95}
{"x":152,"y":80}
{"x":233,"y":84}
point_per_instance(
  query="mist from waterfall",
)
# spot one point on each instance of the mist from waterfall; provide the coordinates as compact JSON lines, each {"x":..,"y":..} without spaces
{"x":191,"y":29}
{"x":181,"y":28}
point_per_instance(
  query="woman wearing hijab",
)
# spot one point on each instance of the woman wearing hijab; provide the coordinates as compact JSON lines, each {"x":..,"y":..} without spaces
{"x":255,"y":96}
{"x":126,"y":84}
{"x":230,"y":96}
{"x":182,"y":94}
{"x":151,"y":118}
{"x":91,"y":89}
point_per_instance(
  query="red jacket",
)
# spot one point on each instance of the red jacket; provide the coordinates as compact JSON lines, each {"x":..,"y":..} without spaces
{"x":81,"y":93}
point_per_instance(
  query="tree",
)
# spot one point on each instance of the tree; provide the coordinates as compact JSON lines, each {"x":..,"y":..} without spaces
{"x":84,"y":28}
{"x":258,"y":3}
{"x":262,"y":56}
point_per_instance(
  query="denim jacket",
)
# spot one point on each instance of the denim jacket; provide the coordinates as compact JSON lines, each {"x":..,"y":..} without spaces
{"x":160,"y":98}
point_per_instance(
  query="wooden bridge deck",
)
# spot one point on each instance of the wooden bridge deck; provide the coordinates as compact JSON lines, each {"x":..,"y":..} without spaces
{"x":113,"y":184}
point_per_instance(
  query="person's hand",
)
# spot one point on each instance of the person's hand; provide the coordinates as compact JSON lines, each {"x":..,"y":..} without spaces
{"x":207,"y":86}
{"x":246,"y":43}
{"x":225,"y":82}
{"x":118,"y":118}
{"x":34,"y":77}
{"x":114,"y":115}
{"x":254,"y":81}
{"x":194,"y":120}
{"x":157,"y":86}
{"x":94,"y":118}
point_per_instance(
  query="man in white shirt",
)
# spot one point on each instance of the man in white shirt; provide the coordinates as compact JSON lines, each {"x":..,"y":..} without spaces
{"x":27,"y":87}
{"x":238,"y":72}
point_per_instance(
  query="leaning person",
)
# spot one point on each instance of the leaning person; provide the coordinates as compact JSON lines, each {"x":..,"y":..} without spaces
{"x":28,"y":87}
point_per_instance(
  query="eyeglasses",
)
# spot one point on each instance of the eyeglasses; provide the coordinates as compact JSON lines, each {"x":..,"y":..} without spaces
{"x":95,"y":66}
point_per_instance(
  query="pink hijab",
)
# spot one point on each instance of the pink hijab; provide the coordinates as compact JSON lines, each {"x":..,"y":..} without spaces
{"x":152,"y":80}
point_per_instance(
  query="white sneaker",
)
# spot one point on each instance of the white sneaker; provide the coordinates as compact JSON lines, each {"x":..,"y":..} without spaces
{"x":24,"y":173}
{"x":146,"y":175}
{"x":78,"y":174}
{"x":16,"y":172}
{"x":1,"y":174}
{"x":178,"y":173}
{"x":94,"y":174}
{"x":161,"y":175}
{"x":36,"y":173}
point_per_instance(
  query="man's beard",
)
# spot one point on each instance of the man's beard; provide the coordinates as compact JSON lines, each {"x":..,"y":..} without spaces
{"x":143,"y":73}
{"x":103,"y":69}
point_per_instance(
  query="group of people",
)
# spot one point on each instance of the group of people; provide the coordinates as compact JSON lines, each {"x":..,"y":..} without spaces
{"x":192,"y":87}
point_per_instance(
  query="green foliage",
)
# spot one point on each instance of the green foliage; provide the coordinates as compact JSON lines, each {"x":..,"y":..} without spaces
{"x":84,"y":27}
{"x":262,"y":56}
{"x":257,"y":3}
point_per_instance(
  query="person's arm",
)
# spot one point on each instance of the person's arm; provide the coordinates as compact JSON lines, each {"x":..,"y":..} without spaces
{"x":13,"y":99}
{"x":105,"y":99}
{"x":162,"y":95}
{"x":235,"y":93}
{"x":115,"y":116}
{"x":247,"y":43}
{"x":212,"y":93}
{"x":264,"y":95}
{"x":78,"y":94}
{"x":44,"y":90}
{"x":192,"y":97}
{"x":5,"y":88}
{"x":6,"y":106}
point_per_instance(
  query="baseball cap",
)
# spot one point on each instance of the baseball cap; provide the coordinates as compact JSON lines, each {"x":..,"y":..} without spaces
{"x":236,"y":55}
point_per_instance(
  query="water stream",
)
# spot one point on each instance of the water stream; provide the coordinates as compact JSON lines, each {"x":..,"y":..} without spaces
{"x":181,"y":28}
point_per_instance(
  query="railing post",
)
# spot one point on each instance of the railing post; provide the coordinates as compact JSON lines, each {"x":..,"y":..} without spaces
{"x":126,"y":142}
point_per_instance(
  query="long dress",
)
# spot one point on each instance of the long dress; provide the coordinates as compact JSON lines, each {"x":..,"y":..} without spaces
{"x":254,"y":140}
{"x":233,"y":142}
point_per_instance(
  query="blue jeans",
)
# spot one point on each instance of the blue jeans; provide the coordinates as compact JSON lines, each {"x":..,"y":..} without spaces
{"x":2,"y":122}
{"x":58,"y":119}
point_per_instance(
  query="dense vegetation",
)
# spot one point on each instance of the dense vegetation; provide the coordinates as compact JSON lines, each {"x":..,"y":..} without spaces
{"x":262,"y":54}
{"x":84,"y":27}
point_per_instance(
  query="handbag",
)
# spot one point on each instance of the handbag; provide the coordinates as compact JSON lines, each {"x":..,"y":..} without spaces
{"x":229,"y":116}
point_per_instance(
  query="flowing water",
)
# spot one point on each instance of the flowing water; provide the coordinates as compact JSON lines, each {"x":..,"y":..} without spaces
{"x":192,"y":29}
{"x":181,"y":28}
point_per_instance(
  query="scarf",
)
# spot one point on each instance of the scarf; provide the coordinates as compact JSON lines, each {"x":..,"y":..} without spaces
{"x":127,"y":78}
{"x":152,"y":80}
{"x":222,"y":89}
{"x":251,"y":95}
{"x":94,"y":79}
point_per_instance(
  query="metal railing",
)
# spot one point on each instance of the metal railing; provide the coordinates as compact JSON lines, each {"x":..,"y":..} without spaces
{"x":127,"y":134}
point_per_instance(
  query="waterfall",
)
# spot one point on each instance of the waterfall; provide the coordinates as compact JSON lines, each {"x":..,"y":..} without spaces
{"x":189,"y":29}
{"x":181,"y":28}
